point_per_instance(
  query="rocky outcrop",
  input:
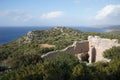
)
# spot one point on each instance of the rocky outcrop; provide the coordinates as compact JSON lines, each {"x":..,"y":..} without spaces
{"x":28,"y":37}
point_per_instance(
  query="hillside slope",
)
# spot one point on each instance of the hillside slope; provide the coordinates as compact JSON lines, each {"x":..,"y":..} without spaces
{"x":22,"y":57}
{"x":59,"y":37}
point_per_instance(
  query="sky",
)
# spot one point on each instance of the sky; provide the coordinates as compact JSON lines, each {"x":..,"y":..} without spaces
{"x":59,"y":12}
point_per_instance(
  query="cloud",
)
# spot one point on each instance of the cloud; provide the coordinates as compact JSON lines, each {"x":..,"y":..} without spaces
{"x":16,"y":15}
{"x":21,"y":17}
{"x":52,"y":15}
{"x":109,"y":12}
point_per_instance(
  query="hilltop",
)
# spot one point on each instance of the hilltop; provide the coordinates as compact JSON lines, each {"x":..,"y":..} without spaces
{"x":60,"y":37}
{"x":22,"y":57}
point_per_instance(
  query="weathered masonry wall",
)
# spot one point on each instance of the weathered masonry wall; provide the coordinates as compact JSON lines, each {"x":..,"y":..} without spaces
{"x":90,"y":50}
{"x":100,"y":45}
{"x":78,"y":47}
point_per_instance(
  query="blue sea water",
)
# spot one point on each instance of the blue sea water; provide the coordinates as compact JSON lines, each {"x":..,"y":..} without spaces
{"x":8,"y":34}
{"x":91,"y":29}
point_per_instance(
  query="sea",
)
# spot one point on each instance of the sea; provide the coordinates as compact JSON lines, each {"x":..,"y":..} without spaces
{"x":8,"y":34}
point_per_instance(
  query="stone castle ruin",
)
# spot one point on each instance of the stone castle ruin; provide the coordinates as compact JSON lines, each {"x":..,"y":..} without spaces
{"x":98,"y":45}
{"x":90,"y":50}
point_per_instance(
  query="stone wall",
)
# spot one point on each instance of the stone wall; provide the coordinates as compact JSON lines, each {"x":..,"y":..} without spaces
{"x":100,"y":45}
{"x":78,"y":47}
{"x":50,"y":54}
{"x":92,"y":49}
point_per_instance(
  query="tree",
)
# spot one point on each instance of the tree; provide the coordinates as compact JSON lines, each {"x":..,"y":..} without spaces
{"x":112,"y":53}
{"x":24,"y":60}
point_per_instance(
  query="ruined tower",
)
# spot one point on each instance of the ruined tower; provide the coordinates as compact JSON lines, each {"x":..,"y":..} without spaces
{"x":98,"y":45}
